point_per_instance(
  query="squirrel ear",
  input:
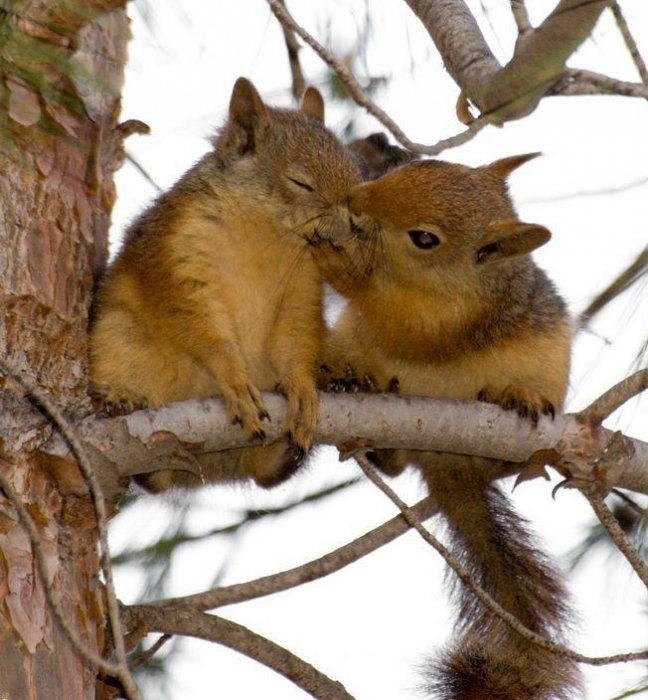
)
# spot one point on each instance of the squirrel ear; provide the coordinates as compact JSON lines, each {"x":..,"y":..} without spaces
{"x":312,"y":104}
{"x":505,"y":166}
{"x":510,"y":238}
{"x":247,"y":115}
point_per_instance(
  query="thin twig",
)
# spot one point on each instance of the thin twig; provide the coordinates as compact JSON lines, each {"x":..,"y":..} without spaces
{"x":521,"y":16}
{"x":28,"y":523}
{"x":361,"y":98}
{"x":467,"y":579}
{"x":311,"y":571}
{"x":231,"y":634}
{"x":614,"y":398}
{"x":293,"y":47}
{"x":576,"y":81}
{"x":613,"y":189}
{"x":628,"y":277}
{"x":169,"y":544}
{"x":630,"y":42}
{"x":142,"y":171}
{"x":149,"y":653}
{"x":87,"y":470}
{"x":609,"y":522}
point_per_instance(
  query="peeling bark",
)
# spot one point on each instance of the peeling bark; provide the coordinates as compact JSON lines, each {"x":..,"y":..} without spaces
{"x":61,"y":70}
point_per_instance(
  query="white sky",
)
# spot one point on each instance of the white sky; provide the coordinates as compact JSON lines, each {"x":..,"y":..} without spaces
{"x":370,"y":625}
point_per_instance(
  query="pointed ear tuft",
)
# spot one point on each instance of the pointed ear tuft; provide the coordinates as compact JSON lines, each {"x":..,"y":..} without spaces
{"x":505,"y":166}
{"x":312,"y":104}
{"x":509,"y":239}
{"x":247,"y":116}
{"x":246,"y":106}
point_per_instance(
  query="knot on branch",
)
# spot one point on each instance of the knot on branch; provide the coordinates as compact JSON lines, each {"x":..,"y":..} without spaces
{"x":591,"y":458}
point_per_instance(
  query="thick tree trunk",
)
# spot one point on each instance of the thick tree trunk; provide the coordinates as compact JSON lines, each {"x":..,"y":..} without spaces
{"x":61,"y":71}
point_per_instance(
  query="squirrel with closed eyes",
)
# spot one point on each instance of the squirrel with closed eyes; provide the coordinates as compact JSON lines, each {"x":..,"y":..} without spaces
{"x":444,"y":296}
{"x":215,"y":290}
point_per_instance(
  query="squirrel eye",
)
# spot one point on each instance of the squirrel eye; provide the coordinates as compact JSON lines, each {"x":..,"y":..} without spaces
{"x":303,"y":185}
{"x":424,"y":239}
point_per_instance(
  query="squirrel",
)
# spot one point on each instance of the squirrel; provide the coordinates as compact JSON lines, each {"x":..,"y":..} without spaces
{"x":448,"y":303}
{"x":215,"y":291}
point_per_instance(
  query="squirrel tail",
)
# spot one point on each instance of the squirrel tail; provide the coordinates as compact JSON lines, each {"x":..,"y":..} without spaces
{"x":487,"y":659}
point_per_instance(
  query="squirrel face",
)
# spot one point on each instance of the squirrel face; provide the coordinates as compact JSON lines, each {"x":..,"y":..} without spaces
{"x":291,"y":160}
{"x":435,"y":223}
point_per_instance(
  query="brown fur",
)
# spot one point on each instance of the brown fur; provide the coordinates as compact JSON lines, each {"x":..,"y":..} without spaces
{"x":472,"y":317}
{"x":215,"y":290}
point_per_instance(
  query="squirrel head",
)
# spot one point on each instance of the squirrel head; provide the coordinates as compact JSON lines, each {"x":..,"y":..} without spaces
{"x":376,"y":156}
{"x":444,"y":223}
{"x":289,"y":159}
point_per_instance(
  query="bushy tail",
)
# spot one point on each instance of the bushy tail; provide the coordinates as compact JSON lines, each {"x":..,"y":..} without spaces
{"x":487,"y":659}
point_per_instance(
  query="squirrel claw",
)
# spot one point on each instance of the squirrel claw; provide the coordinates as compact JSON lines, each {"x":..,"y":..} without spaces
{"x":528,"y":404}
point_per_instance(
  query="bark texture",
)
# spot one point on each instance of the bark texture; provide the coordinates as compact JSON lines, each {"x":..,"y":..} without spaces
{"x":61,"y":72}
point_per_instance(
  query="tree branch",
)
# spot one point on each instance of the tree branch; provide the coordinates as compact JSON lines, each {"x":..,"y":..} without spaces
{"x":628,"y":277}
{"x":576,"y":81}
{"x":293,"y":47}
{"x":311,"y":571}
{"x":165,"y":546}
{"x":614,"y":398}
{"x":521,"y":16}
{"x":165,"y":438}
{"x":630,"y":42}
{"x":512,"y":91}
{"x":241,"y":639}
{"x":619,"y":538}
{"x":467,"y":579}
{"x":361,"y":98}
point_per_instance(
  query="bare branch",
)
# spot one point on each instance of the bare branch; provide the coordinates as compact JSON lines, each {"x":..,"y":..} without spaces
{"x":512,"y":91}
{"x":630,"y":41}
{"x":361,"y":98}
{"x":521,"y":16}
{"x":614,"y":398}
{"x":586,"y":82}
{"x":241,"y":639}
{"x":464,"y":575}
{"x":311,"y":571}
{"x":293,"y":47}
{"x":167,"y":545}
{"x":85,"y":465}
{"x":628,"y":277}
{"x":613,"y":189}
{"x":615,"y":531}
{"x":142,"y":171}
{"x":149,"y":653}
{"x":136,"y":443}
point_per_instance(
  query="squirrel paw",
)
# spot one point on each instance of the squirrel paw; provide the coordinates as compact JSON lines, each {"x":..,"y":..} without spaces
{"x":245,"y":407}
{"x":303,"y":412}
{"x":347,"y":380}
{"x":110,"y":402}
{"x":528,"y":403}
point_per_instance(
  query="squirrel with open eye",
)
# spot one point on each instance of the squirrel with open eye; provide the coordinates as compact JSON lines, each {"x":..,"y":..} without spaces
{"x":215,"y":290}
{"x":447,"y":299}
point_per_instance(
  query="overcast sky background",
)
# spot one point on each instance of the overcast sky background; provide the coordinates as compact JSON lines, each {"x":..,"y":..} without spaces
{"x":371,"y":624}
